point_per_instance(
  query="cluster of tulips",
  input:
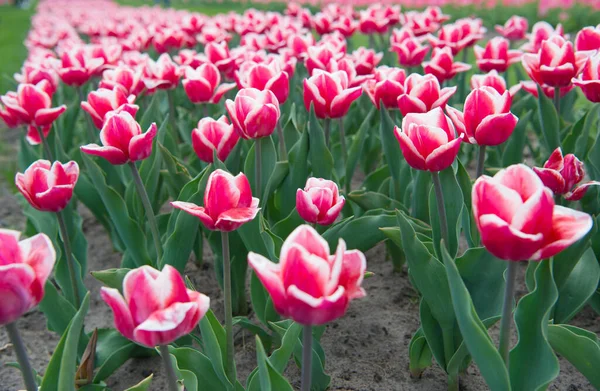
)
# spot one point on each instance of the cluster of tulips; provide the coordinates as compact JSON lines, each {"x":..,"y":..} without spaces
{"x":246,"y":158}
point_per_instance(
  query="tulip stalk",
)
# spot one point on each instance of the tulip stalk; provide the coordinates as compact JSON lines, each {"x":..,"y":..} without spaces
{"x":557,"y":99}
{"x":45,"y":145}
{"x":21,"y":352}
{"x":306,"y":358}
{"x":170,"y":371}
{"x":172,"y":119}
{"x":257,"y":167}
{"x":282,"y":150}
{"x":148,"y":208}
{"x":480,"y":161}
{"x":439,"y":196}
{"x":230,"y":363}
{"x":343,"y":141}
{"x":326,"y":130}
{"x":506,"y":322}
{"x":64,"y":235}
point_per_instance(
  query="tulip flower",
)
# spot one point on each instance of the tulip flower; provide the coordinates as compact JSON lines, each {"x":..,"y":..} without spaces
{"x":32,"y":73}
{"x":78,"y":66}
{"x":122,"y":140}
{"x":423,"y":94}
{"x":459,"y":35}
{"x":254,"y":113}
{"x":562,"y":174}
{"x":48,"y":187}
{"x":319,"y":57}
{"x":214,"y":136}
{"x":496,"y":55}
{"x":218,"y":54}
{"x":514,"y":29}
{"x":309,"y":285}
{"x":387,"y":86}
{"x":300,"y":43}
{"x":26,"y":266}
{"x":541,"y":32}
{"x":365,"y":60}
{"x":202,"y":84}
{"x":589,"y":80}
{"x":329,"y":94}
{"x":409,"y":49}
{"x":420,"y":23}
{"x":103,"y":101}
{"x":443,"y":66}
{"x":345,"y":25}
{"x":124,"y":77}
{"x":556,"y":63}
{"x":322,"y":23}
{"x":163,"y":74}
{"x":319,"y":202}
{"x":264,"y":77}
{"x":428,"y":141}
{"x":588,"y":39}
{"x":494,"y":80}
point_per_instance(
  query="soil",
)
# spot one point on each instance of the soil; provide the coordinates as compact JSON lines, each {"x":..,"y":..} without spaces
{"x":365,"y":350}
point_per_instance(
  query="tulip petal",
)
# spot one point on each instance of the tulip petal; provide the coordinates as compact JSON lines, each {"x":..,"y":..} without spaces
{"x":412,"y":156}
{"x":122,"y":316}
{"x":45,"y":117}
{"x":232,"y":219}
{"x":443,"y":157}
{"x":113,"y":155}
{"x":141,"y":294}
{"x":197,"y":211}
{"x":353,"y":271}
{"x":305,"y":207}
{"x":269,"y":274}
{"x":308,"y":310}
{"x":579,"y":192}
{"x":333,"y":212}
{"x":495,"y":129}
{"x":520,"y":178}
{"x":551,"y":179}
{"x":307,"y":237}
{"x":504,"y":242}
{"x":164,"y":326}
{"x":140,"y":146}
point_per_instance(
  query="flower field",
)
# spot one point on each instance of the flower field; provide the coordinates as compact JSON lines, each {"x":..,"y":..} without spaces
{"x":301,"y":196}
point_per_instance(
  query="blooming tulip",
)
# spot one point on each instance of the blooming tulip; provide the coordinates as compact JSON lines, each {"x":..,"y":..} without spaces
{"x":387,"y":86}
{"x":561,"y":174}
{"x":265,"y":77}
{"x":103,"y":101}
{"x":458,"y":35}
{"x":422,"y":94}
{"x":420,"y":23}
{"x":329,"y":93}
{"x":214,"y":135}
{"x":589,"y":80}
{"x":128,"y":79}
{"x":202,"y":85}
{"x":228,"y":202}
{"x":78,"y":66}
{"x":487,"y":119}
{"x":319,"y":202}
{"x":319,"y":57}
{"x":365,"y":60}
{"x":494,"y":80}
{"x":428,"y":141}
{"x":309,"y":285}
{"x":299,"y":44}
{"x":517,"y":218}
{"x":218,"y":54}
{"x":514,"y":29}
{"x":588,"y":39}
{"x":156,"y":308}
{"x":443,"y":66}
{"x":556,"y":63}
{"x":35,"y":73}
{"x":25,"y":267}
{"x":47,"y":187}
{"x":122,"y":140}
{"x":408,"y":48}
{"x":163,"y":74}
{"x":540,"y":32}
{"x":254,"y":113}
{"x":496,"y":55}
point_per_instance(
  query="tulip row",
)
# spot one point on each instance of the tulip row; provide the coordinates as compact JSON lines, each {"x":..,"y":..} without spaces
{"x":271,"y":185}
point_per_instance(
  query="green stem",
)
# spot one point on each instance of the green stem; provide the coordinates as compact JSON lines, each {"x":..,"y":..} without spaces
{"x":64,"y":235}
{"x":557,"y":100}
{"x":45,"y":145}
{"x":306,"y":358}
{"x":148,"y":209}
{"x":282,"y":150}
{"x":257,"y":167}
{"x":343,"y":141}
{"x":169,"y":370}
{"x":21,"y":352}
{"x":205,"y":110}
{"x":172,"y":119}
{"x":506,"y":322}
{"x":230,"y":361}
{"x":480,"y":161}
{"x":326,"y":126}
{"x":439,"y":196}
{"x":90,"y":126}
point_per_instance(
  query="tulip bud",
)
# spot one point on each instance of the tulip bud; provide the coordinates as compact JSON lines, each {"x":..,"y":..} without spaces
{"x":423,"y":94}
{"x":46,"y":187}
{"x":202,"y":85}
{"x":214,"y":135}
{"x":443,"y":66}
{"x":514,"y":29}
{"x":265,"y":77}
{"x":329,"y":94}
{"x":254,"y":113}
{"x":319,"y":202}
{"x":496,"y":55}
{"x":103,"y":101}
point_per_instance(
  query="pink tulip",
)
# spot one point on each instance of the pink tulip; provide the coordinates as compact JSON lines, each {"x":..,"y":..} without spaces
{"x":320,"y":201}
{"x":347,"y":65}
{"x":345,"y":25}
{"x":459,"y":35}
{"x":514,"y":29}
{"x":517,"y":218}
{"x":163,"y":74}
{"x":442,"y":65}
{"x":387,"y":86}
{"x":47,"y":187}
{"x":420,"y":23}
{"x":124,"y":77}
{"x":540,"y":32}
{"x":156,"y":308}
{"x":320,"y":57}
{"x":103,"y":101}
{"x":309,"y":285}
{"x":494,"y":80}
{"x":588,"y":39}
{"x":228,"y":202}
{"x":35,"y":73}
{"x":78,"y":66}
{"x":265,"y":77}
{"x":329,"y":94}
{"x":254,"y":113}
{"x":202,"y":85}
{"x":408,"y":48}
{"x":422,"y":94}
{"x":373,"y":21}
{"x":218,"y":54}
{"x":24,"y":269}
{"x":487,"y":119}
{"x":561,"y":174}
{"x":589,"y":80}
{"x":365,"y":60}
{"x":189,"y":57}
{"x":428,"y":141}
{"x":322,"y":23}
{"x":122,"y":140}
{"x":299,"y":44}
{"x":496,"y":55}
{"x":214,"y":135}
{"x":556,"y":63}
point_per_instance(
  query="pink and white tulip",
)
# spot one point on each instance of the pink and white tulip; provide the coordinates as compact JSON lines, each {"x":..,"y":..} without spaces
{"x":254,"y":113}
{"x":214,"y":135}
{"x":329,"y":93}
{"x":319,"y":202}
{"x":423,"y":94}
{"x":48,"y":187}
{"x":202,"y":85}
{"x":103,"y":101}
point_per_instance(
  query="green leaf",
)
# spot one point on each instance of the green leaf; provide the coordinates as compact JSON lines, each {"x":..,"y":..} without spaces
{"x":177,"y":175}
{"x":533,"y":364}
{"x":369,"y":200}
{"x":572,"y":137}
{"x":513,"y":152}
{"x":298,"y":163}
{"x":421,"y":185}
{"x":419,"y":354}
{"x":584,"y":142}
{"x":433,"y":334}
{"x":144,"y":385}
{"x":391,"y":150}
{"x":549,"y":121}
{"x":112,"y":351}
{"x":474,"y":332}
{"x":129,"y":231}
{"x":579,"y":347}
{"x":269,"y":378}
{"x":277,"y":177}
{"x":320,"y":156}
{"x":214,"y":351}
{"x":362,"y":233}
{"x":57,"y":309}
{"x":112,"y":278}
{"x":578,"y":288}
{"x":192,"y":360}
{"x":566,"y":260}
{"x":453,"y":201}
{"x":356,"y":148}
{"x":268,"y":159}
{"x":280,"y":357}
